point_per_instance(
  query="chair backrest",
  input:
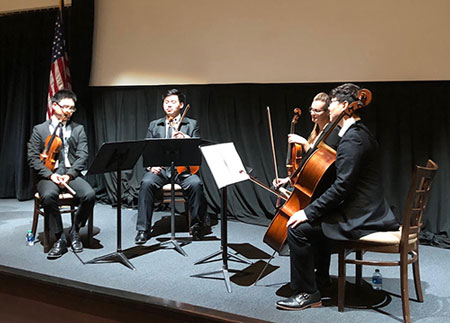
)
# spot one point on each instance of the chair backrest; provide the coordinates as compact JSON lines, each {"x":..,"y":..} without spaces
{"x":416,"y":201}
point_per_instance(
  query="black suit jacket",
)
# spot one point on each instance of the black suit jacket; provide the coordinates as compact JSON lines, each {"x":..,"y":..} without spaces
{"x":157,"y":128}
{"x":78,"y":149}
{"x":354,"y":205}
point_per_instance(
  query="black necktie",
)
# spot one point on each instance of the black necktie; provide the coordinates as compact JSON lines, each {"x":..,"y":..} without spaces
{"x":169,"y":131}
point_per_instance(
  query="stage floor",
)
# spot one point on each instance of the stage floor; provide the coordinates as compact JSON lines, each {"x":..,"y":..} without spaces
{"x":166,"y":274}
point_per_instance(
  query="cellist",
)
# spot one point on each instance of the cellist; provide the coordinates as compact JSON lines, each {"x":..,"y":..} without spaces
{"x":353,"y":206}
{"x":70,"y":161}
{"x":320,"y":116}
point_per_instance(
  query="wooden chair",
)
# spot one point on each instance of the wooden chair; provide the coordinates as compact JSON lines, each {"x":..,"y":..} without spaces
{"x":67,"y":204}
{"x":179,"y":198}
{"x":403,"y":242}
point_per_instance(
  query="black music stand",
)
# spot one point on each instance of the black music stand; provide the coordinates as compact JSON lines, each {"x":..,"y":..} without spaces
{"x":224,"y":160}
{"x":172,"y":152}
{"x":116,"y":156}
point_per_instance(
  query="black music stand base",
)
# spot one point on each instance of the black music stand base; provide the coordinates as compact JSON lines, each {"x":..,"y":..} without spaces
{"x":173,"y":240}
{"x":223,"y":248}
{"x":118,"y":254}
{"x":113,"y":257}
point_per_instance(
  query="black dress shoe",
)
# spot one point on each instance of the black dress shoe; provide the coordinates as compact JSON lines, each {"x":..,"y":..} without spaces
{"x":76,"y":244}
{"x":301,"y":301}
{"x":141,"y":237}
{"x":59,"y":248}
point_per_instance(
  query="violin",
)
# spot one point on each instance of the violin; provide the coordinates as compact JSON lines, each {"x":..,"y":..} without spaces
{"x":52,"y":148}
{"x":312,"y":178}
{"x":183,"y":169}
{"x":294,"y":151}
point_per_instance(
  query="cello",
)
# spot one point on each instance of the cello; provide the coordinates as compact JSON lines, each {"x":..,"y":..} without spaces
{"x":312,"y":178}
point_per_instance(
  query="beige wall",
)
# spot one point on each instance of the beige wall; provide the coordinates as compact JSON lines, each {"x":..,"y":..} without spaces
{"x":144,"y":42}
{"x":19,"y":5}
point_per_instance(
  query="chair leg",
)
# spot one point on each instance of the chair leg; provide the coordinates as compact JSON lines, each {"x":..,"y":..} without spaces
{"x":358,"y":268}
{"x":417,"y":282}
{"x":341,"y":280}
{"x":404,"y":287}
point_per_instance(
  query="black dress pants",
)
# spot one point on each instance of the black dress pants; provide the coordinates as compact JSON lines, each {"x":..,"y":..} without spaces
{"x":151,"y":183}
{"x":310,"y":256}
{"x":49,"y":194}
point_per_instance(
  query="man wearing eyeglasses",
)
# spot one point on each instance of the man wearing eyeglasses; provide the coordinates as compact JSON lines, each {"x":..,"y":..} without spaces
{"x":66,"y":174}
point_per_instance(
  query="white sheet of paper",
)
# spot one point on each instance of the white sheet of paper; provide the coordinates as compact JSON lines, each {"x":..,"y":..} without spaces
{"x":225,"y":164}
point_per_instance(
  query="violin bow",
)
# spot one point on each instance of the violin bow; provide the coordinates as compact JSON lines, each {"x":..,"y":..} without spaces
{"x":272,"y":143}
{"x":182,"y":116}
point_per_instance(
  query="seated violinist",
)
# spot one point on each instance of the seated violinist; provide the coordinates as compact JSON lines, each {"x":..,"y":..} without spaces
{"x":352,"y":207}
{"x":320,"y":116}
{"x":65,"y":173}
{"x":156,"y":177}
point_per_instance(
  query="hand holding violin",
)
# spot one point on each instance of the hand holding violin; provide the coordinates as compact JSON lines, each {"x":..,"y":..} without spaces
{"x":179,"y":135}
{"x":155,"y":170}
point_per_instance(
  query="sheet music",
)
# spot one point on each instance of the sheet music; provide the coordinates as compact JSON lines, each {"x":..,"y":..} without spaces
{"x":225,"y":164}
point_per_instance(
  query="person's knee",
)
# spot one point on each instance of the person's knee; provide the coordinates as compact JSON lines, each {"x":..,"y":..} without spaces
{"x":90,"y":196}
{"x":49,"y":198}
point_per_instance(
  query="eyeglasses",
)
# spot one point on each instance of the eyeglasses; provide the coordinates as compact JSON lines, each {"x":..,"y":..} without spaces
{"x":311,"y":110}
{"x":67,"y":107}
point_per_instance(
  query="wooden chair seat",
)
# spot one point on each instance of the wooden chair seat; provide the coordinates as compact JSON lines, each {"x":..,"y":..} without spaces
{"x":403,"y":242}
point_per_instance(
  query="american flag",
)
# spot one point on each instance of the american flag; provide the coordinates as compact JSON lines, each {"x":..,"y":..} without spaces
{"x":59,"y":71}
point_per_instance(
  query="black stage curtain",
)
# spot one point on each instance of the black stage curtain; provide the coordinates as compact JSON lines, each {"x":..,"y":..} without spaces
{"x":410,"y":120}
{"x":25,"y":51}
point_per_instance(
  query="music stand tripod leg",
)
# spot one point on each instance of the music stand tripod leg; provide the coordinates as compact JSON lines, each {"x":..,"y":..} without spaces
{"x":118,"y":255}
{"x":224,"y":243}
{"x":173,"y":240}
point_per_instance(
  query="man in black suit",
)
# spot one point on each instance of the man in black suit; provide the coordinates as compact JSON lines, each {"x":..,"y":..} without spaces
{"x":156,"y":177}
{"x":70,"y":161}
{"x":353,"y":206}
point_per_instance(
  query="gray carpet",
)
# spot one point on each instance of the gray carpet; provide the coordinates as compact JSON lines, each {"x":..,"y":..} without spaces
{"x":163,"y":272}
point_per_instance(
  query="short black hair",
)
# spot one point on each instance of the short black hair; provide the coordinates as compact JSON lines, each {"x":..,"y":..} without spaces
{"x":181,"y":96}
{"x":64,"y":94}
{"x":345,"y":92}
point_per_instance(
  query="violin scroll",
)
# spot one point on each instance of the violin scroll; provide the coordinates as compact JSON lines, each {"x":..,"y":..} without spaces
{"x":364,"y":98}
{"x":296,"y":116}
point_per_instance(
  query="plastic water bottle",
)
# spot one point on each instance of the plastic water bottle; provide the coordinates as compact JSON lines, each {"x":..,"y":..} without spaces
{"x":377,"y":280}
{"x":30,"y":238}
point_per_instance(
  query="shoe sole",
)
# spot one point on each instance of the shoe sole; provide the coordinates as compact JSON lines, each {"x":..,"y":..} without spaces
{"x":56,"y":256}
{"x":140,"y":242}
{"x":314,"y":305}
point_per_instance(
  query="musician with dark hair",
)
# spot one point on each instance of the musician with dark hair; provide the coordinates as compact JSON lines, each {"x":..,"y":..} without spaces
{"x":70,"y":161}
{"x":352,"y":207}
{"x":171,"y":126}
